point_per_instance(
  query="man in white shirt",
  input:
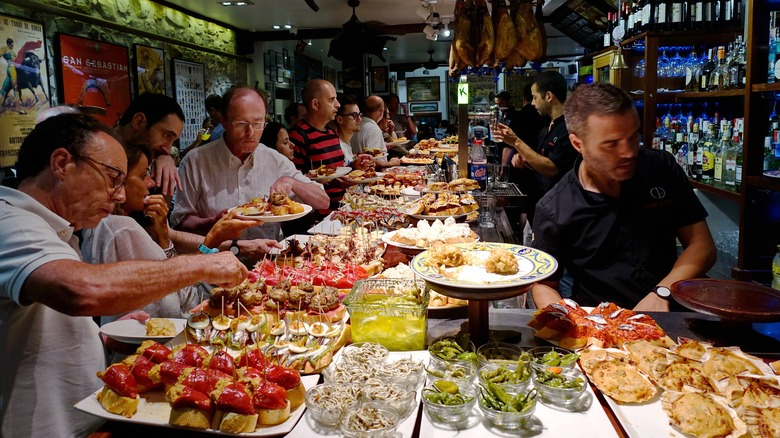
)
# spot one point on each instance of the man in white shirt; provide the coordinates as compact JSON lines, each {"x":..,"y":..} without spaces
{"x":50,"y":348}
{"x":369,"y":139}
{"x":236,"y":168}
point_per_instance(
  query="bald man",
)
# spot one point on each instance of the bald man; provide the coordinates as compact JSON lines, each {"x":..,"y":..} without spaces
{"x":314,"y":142}
{"x":369,"y":139}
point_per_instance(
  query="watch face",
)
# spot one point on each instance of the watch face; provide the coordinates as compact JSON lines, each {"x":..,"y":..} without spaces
{"x":663,"y":291}
{"x":234,"y":249}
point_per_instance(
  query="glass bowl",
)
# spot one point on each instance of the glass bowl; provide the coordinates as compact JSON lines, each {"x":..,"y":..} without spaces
{"x":407,"y":369}
{"x":442,"y":413}
{"x":538,"y":357}
{"x":507,"y":420}
{"x":498,"y":352}
{"x":366,"y":352}
{"x":327,"y":402}
{"x":342,"y":372}
{"x":447,"y":350}
{"x":555,"y":395}
{"x":463,"y":373}
{"x":399,"y":395}
{"x":386,"y":428}
{"x":490,"y":372}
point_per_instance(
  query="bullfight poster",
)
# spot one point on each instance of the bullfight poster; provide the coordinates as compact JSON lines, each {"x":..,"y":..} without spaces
{"x":95,"y":77}
{"x":25,"y":82}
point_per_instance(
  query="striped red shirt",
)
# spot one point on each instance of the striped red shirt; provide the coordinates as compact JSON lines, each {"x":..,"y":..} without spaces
{"x":313,"y":148}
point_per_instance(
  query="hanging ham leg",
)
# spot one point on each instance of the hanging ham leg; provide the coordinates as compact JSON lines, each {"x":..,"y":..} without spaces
{"x":504,"y":27}
{"x":464,"y":47}
{"x":486,"y":36}
{"x":531,"y":37}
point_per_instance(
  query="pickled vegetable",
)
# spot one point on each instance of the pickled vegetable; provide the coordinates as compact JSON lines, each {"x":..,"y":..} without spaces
{"x":558,"y":380}
{"x":447,"y":393}
{"x":555,"y":359}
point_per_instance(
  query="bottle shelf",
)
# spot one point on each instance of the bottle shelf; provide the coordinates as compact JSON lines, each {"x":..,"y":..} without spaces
{"x":766,"y":87}
{"x":675,"y":96}
{"x":717,"y":191}
{"x":764,"y":182}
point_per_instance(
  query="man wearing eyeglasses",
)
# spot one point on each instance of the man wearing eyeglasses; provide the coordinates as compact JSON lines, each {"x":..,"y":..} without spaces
{"x":71,"y":172}
{"x":155,"y":121}
{"x":370,"y":139}
{"x":236,"y":168}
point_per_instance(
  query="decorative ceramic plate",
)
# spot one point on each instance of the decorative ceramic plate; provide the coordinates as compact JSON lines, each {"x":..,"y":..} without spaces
{"x":270,"y":218}
{"x":534,"y":265}
{"x":388,"y":239}
{"x":133,"y":332}
{"x":729,"y":299}
{"x":340,"y":171}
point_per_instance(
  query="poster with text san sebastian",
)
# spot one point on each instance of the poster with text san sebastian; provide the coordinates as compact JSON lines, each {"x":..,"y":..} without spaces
{"x":24,"y":79}
{"x":95,"y":77}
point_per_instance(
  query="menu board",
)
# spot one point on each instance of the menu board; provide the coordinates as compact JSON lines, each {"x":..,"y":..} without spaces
{"x":189,"y":87}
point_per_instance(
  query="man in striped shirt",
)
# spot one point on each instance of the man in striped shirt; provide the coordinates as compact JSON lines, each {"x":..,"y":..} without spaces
{"x":314,"y":142}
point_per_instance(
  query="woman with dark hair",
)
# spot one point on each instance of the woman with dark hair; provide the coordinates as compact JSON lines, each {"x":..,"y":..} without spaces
{"x":275,"y":137}
{"x":138,"y":230}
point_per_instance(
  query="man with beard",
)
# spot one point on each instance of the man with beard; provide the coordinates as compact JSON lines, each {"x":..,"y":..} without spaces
{"x":155,"y":121}
{"x":613,"y":220}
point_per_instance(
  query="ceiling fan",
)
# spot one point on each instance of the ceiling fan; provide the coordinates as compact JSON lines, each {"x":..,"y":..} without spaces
{"x":358,"y":38}
{"x":430,"y":64}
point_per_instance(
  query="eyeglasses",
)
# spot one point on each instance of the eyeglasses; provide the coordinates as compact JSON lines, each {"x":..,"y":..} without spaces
{"x":116,"y":182}
{"x":244,"y":126}
{"x":353,"y":115}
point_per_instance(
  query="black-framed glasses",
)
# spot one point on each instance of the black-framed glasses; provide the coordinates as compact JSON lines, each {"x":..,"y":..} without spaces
{"x":116,"y":181}
{"x":244,"y":126}
{"x":354,"y":115}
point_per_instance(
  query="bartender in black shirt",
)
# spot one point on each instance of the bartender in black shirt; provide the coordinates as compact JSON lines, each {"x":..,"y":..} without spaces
{"x":613,"y":221}
{"x":553,"y":155}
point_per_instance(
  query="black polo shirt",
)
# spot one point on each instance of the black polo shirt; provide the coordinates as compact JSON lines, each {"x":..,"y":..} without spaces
{"x":618,"y":249}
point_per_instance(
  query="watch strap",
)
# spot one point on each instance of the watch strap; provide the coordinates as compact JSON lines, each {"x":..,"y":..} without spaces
{"x":206,"y":250}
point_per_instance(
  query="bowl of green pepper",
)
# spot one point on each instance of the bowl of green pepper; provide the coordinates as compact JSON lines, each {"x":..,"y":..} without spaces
{"x":513,"y":378}
{"x":453,"y":349}
{"x":462,"y":373}
{"x":447,"y":402}
{"x":559,"y":386}
{"x":505,"y":410}
{"x":544,"y":357}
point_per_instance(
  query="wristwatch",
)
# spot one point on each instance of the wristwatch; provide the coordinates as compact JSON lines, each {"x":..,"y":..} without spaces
{"x":234,"y":248}
{"x":663,"y":292}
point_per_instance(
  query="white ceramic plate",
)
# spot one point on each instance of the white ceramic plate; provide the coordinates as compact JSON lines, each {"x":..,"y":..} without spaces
{"x":534,"y":265}
{"x":378,"y":176}
{"x":433,"y":218}
{"x":772,"y":173}
{"x":154,"y":410}
{"x":133,"y":332}
{"x":410,"y":193}
{"x":397,"y":143}
{"x":327,"y":226}
{"x":340,"y":171}
{"x":269,"y":218}
{"x":388,"y":239}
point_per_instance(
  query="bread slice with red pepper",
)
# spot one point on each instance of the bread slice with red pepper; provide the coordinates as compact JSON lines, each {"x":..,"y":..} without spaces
{"x":271,"y":403}
{"x":120,"y":392}
{"x":235,"y":413}
{"x":290,"y":380}
{"x":189,"y":408}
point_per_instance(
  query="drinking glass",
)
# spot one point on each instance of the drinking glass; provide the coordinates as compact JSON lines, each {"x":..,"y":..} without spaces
{"x":487,"y":210}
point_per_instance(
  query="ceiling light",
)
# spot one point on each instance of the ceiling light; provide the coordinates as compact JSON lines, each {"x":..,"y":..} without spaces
{"x":446,"y":31}
{"x":384,"y":48}
{"x":429,"y":31}
{"x":288,"y":26}
{"x":236,"y":3}
{"x":276,"y":26}
{"x":309,"y":41}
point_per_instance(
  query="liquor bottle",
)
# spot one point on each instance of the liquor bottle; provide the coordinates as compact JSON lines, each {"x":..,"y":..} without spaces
{"x":695,"y":151}
{"x":692,"y":72}
{"x":776,"y":270}
{"x":736,"y":71}
{"x":698,"y":17}
{"x":716,"y":76}
{"x":681,"y":152}
{"x":736,"y":16}
{"x":661,"y":15}
{"x":706,"y":71}
{"x":608,"y":33}
{"x":770,"y":77}
{"x":648,"y":15}
{"x":638,"y":17}
{"x":738,"y":181}
{"x":707,"y":155}
{"x":730,"y":162}
{"x":676,"y":15}
{"x":720,"y":153}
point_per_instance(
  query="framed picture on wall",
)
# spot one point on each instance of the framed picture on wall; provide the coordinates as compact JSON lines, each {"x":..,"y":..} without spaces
{"x":189,"y":88}
{"x":424,"y":107}
{"x":149,"y":69}
{"x":19,"y":108}
{"x":98,"y":88}
{"x":421,"y":89}
{"x":329,"y":74}
{"x":380,"y":80}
